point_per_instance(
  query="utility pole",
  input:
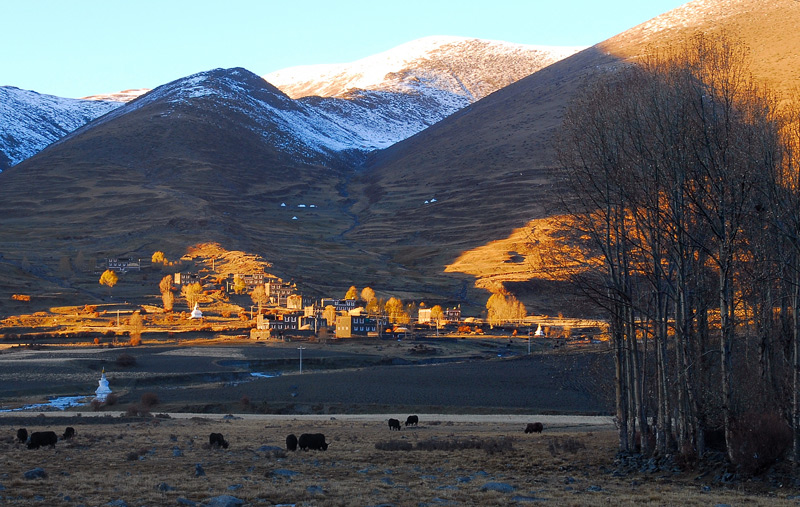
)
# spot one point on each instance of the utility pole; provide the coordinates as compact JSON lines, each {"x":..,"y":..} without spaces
{"x":301,"y":358}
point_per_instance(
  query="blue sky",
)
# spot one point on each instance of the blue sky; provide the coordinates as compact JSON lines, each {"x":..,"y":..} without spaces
{"x":75,"y":48}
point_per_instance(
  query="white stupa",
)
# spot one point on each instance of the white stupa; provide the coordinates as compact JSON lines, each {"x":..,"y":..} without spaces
{"x":103,"y":390}
{"x":539,"y":331}
{"x":196,"y":313}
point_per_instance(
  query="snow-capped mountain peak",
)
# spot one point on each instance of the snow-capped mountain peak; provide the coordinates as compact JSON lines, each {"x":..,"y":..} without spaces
{"x":465,"y":66}
{"x":321,"y":112}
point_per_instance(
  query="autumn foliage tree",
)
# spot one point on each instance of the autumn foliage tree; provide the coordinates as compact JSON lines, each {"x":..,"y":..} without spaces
{"x":329,"y":314}
{"x":158,"y":258}
{"x":259,"y":296}
{"x":167,"y":296}
{"x":135,"y":327}
{"x":109,"y":278}
{"x":192,"y":292}
{"x":501,"y":309}
{"x":394,"y":309}
{"x":352,"y":293}
{"x":437,"y":314}
{"x":238,"y":284}
{"x":367,"y":294}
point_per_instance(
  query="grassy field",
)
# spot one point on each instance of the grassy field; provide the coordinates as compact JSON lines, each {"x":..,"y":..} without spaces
{"x":474,"y":397}
{"x":155,"y":461}
{"x":455,"y":375}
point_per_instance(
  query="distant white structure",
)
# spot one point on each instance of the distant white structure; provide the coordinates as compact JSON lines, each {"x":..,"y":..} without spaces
{"x":283,"y":205}
{"x":539,"y":331}
{"x":196,"y":313}
{"x":103,"y":390}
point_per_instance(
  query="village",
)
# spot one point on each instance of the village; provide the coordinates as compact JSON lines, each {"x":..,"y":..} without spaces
{"x":213,"y":296}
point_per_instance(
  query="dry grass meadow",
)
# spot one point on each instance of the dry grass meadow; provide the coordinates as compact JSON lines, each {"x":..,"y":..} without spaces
{"x":154,"y":462}
{"x":472,"y":452}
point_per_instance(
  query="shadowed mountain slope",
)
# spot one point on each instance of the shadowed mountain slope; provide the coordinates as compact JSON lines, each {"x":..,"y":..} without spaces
{"x":491,"y":167}
{"x":192,"y":161}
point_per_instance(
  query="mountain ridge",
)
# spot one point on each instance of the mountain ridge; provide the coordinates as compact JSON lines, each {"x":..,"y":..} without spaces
{"x":31,"y":121}
{"x":464,"y":66}
{"x":359,"y":120}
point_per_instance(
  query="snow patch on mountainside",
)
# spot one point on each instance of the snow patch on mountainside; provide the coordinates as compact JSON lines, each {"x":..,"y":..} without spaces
{"x":459,"y":65}
{"x":30,"y":121}
{"x":122,"y":96}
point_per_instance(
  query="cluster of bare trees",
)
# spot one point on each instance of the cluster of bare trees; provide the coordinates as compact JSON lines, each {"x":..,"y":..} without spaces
{"x":687,"y":188}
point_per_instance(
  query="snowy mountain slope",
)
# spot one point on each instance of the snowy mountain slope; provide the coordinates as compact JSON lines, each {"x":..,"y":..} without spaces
{"x":359,"y":107}
{"x":121,"y":96}
{"x":30,"y":121}
{"x":310,"y":129}
{"x":462,"y":66}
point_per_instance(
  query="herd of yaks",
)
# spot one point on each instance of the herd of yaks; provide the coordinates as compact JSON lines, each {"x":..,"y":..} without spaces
{"x":313,"y":441}
{"x":41,"y":438}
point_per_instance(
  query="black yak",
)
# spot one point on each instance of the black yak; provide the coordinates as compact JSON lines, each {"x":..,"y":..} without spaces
{"x":217,"y":440}
{"x":40,"y":438}
{"x":313,"y":441}
{"x":394,"y":424}
{"x":22,"y":435}
{"x":68,"y":433}
{"x":412,"y":419}
{"x":291,"y":442}
{"x":534,"y":427}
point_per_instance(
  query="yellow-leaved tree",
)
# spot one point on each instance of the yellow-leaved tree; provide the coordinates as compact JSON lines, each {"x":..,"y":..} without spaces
{"x":329,"y":314}
{"x":192,"y":293}
{"x":167,"y":297}
{"x":109,"y":278}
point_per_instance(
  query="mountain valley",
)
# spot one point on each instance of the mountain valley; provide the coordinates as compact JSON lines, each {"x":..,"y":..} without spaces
{"x":426,"y":203}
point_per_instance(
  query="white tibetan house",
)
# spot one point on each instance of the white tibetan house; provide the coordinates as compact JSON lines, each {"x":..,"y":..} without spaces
{"x":196,"y":313}
{"x":539,"y":331}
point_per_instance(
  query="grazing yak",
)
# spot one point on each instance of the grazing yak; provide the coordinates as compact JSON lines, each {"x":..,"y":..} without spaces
{"x":313,"y":441}
{"x":291,"y":442}
{"x":40,"y":438}
{"x":394,"y":424}
{"x":68,"y":433}
{"x":412,"y":419}
{"x":22,"y":435}
{"x":534,"y":427}
{"x":217,"y":440}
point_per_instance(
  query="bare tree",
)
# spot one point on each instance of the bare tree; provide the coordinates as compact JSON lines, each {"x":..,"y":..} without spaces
{"x":665,"y":159}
